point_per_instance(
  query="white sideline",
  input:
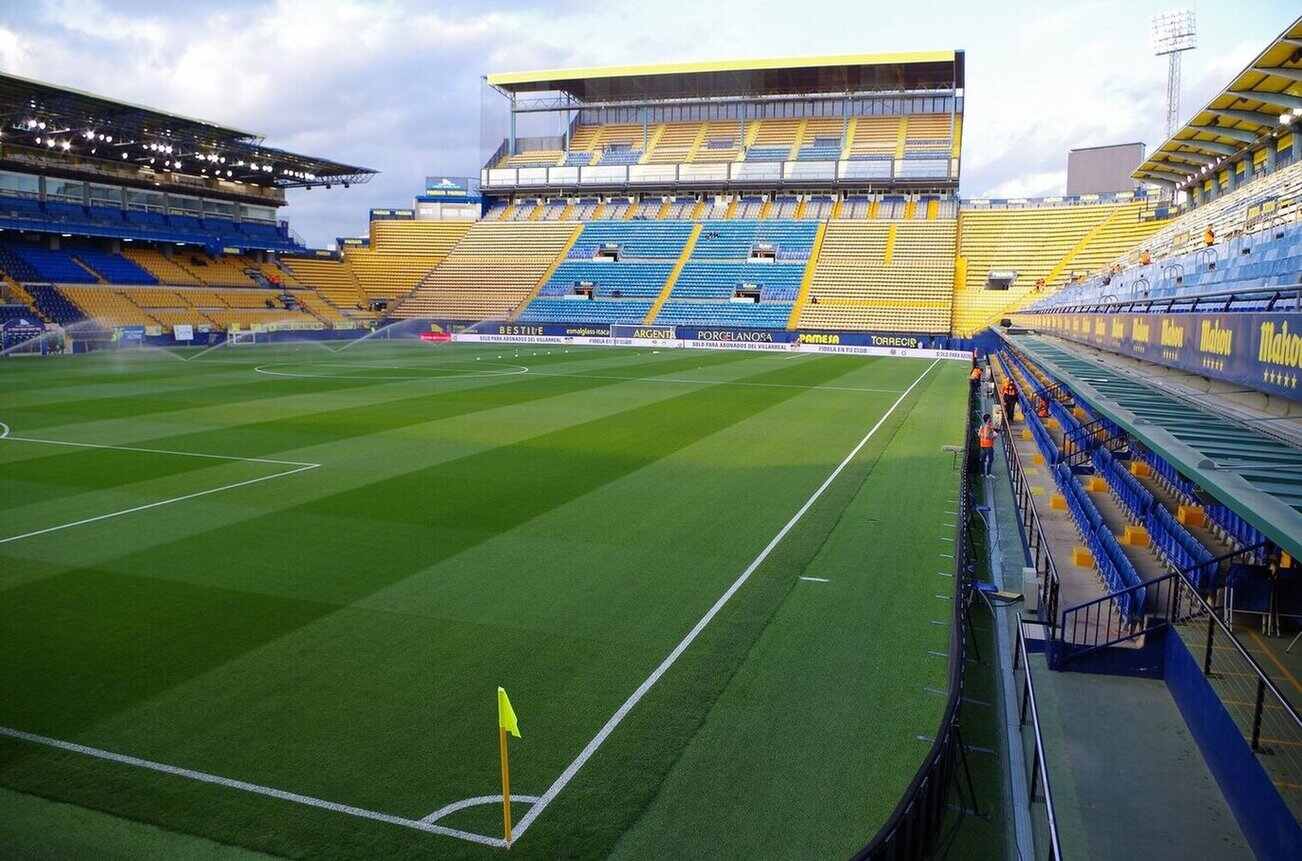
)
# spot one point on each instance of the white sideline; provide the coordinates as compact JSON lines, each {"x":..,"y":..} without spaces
{"x":245,"y":786}
{"x":636,"y":696}
{"x":427,"y":824}
{"x":299,"y":466}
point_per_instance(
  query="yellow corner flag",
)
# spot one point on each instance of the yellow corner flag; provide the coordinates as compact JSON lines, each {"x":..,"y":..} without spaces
{"x":506,"y":714}
{"x":506,"y":722}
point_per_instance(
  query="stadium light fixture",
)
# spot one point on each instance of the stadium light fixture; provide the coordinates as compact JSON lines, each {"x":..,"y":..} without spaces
{"x":65,"y":146}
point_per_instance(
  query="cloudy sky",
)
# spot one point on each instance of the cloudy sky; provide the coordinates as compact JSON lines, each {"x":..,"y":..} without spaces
{"x":395,"y":85}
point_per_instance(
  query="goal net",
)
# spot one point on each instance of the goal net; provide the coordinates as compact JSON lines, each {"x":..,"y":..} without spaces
{"x":241,"y":339}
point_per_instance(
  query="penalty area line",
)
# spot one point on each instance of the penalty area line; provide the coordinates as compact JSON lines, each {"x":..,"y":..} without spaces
{"x":255,"y":788}
{"x":614,"y":721}
{"x":299,"y":466}
{"x":158,"y":504}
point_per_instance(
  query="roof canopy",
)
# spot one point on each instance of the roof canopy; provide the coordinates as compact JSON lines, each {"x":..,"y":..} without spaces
{"x":919,"y":70}
{"x":1244,"y":113}
{"x":85,"y":122}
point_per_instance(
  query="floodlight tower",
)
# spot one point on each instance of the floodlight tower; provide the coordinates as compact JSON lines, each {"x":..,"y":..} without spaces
{"x":1174,"y":33}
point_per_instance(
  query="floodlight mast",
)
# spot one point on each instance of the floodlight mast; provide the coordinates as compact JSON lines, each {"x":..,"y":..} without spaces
{"x":1174,"y":33}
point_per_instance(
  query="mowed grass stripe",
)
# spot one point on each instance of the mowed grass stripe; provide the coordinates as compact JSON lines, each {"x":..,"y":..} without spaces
{"x":37,"y":474}
{"x":820,"y":721}
{"x":238,"y":621}
{"x":371,"y":551}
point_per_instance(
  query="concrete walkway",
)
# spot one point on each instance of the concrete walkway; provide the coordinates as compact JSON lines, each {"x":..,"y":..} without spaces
{"x":1128,"y":779}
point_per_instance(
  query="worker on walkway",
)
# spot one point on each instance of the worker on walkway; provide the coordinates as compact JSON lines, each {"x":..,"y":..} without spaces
{"x":1008,"y":395}
{"x":1042,"y":406}
{"x":986,"y":439}
{"x":1209,"y":236}
{"x":974,"y":378}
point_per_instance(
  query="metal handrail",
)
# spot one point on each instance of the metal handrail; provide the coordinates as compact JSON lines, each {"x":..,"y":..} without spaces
{"x":1038,"y":541}
{"x":1040,"y":767}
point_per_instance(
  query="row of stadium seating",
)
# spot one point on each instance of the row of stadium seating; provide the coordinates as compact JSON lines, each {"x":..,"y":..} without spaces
{"x":792,"y":139}
{"x":79,"y":263}
{"x":1258,"y":243}
{"x":491,"y":271}
{"x":1049,"y":244}
{"x":868,"y":276}
{"x":27,"y":213}
{"x":1265,"y":262}
{"x":110,"y":306}
{"x":744,"y":207}
{"x":883,"y":277}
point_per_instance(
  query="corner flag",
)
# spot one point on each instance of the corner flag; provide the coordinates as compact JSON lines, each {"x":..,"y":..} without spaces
{"x":506,"y":723}
{"x":506,"y":714}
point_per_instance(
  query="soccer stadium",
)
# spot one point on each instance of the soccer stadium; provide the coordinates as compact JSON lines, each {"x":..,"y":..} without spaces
{"x":708,"y":476}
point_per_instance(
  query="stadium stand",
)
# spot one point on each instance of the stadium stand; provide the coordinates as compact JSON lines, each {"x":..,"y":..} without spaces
{"x":493,"y":270}
{"x":884,"y":277}
{"x":1048,"y":242}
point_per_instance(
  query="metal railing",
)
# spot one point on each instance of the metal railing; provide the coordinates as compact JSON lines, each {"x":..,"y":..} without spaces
{"x":914,"y":825}
{"x":1037,"y":542}
{"x":1039,"y":768}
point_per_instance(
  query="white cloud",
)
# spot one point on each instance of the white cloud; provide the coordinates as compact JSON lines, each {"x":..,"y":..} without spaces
{"x":395,"y":84}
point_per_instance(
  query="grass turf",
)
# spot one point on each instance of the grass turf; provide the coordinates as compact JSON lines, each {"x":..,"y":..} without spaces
{"x":338,"y":633}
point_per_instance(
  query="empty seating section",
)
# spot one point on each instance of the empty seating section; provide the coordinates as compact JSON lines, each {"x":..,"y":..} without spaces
{"x":400,"y":254}
{"x":1036,"y":243}
{"x":776,"y":282}
{"x":387,"y":276}
{"x":761,"y":315}
{"x":772,"y":140}
{"x":331,"y":278}
{"x":110,"y":306}
{"x":534,"y":158}
{"x":733,"y":240}
{"x":491,"y":271}
{"x":607,"y":280}
{"x":661,"y":240}
{"x":1257,"y":251}
{"x":855,"y":286}
{"x":113,"y":268}
{"x":111,"y":222}
{"x":431,"y":238}
{"x":675,"y":143}
{"x":722,"y":141}
{"x":625,"y":311}
{"x":927,"y":134}
{"x":620,"y":291}
{"x":166,"y":270}
{"x":1271,"y":197}
{"x":874,"y":137}
{"x":223,"y":271}
{"x":822,"y":139}
{"x":707,"y":290}
{"x":53,"y":305}
{"x":29,"y":261}
{"x":1227,"y":524}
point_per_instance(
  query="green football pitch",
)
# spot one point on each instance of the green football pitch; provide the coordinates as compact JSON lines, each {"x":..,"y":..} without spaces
{"x":259,"y":600}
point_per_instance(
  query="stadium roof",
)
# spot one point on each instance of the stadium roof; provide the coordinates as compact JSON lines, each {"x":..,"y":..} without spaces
{"x":56,"y":115}
{"x":755,"y":77}
{"x":1255,"y":474}
{"x":1245,"y":112}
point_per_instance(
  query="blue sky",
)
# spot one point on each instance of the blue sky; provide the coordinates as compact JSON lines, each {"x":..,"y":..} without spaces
{"x":396,"y":85}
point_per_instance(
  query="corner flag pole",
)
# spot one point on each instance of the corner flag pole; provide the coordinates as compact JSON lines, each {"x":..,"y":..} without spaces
{"x":506,"y":785}
{"x":506,"y":723}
